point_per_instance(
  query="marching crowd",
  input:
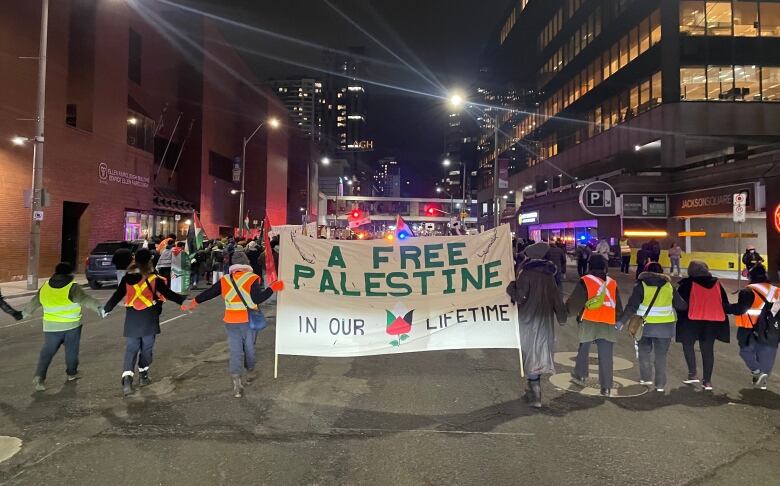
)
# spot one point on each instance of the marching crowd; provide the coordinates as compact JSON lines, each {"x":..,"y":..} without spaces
{"x":657,"y":313}
{"x":143,"y":279}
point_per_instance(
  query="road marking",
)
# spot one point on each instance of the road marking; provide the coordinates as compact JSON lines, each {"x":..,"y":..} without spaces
{"x":172,"y":319}
{"x":19,"y":323}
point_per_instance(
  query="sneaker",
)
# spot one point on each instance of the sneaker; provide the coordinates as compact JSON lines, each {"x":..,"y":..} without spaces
{"x":645,"y":382}
{"x":707,"y":385}
{"x":38,"y":384}
{"x":761,"y":381}
{"x":578,"y":380}
{"x":692,"y":379}
{"x":74,"y":377}
{"x":659,"y":390}
{"x":754,"y":376}
{"x":238,"y":387}
{"x":606,"y":392}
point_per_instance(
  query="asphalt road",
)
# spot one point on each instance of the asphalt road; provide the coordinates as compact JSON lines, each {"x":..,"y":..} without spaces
{"x":451,"y":417}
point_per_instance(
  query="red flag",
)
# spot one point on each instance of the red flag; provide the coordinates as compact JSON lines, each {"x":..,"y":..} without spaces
{"x":270,"y":266}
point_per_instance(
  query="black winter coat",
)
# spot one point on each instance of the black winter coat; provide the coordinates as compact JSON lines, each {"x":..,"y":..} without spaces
{"x":139,"y":323}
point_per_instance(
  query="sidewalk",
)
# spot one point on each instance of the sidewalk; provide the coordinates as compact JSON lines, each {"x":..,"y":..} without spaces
{"x":18,"y":288}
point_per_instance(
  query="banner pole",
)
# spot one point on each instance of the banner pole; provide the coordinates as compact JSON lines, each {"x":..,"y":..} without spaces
{"x":276,"y":364}
{"x":519,"y":346}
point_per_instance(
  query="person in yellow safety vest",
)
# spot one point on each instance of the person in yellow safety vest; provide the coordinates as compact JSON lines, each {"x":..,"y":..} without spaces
{"x":62,"y":300}
{"x":756,"y":350}
{"x":625,"y":255}
{"x":241,"y":337}
{"x":143,"y":292}
{"x":596,"y":303}
{"x":655,"y":298}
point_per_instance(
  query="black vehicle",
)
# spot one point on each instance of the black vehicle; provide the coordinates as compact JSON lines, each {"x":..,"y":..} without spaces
{"x":99,"y":269}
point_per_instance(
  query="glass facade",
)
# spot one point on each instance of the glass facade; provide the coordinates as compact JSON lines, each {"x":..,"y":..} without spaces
{"x":740,"y":18}
{"x":729,"y":83}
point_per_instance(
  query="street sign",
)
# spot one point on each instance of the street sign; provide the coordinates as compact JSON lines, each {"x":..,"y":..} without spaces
{"x":598,"y":199}
{"x":236,"y":169}
{"x":740,"y":207}
{"x":37,"y":215}
{"x":177,"y":217}
{"x":645,"y":206}
{"x":531,"y":217}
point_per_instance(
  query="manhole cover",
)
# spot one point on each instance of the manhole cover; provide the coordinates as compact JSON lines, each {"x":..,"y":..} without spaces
{"x":621,"y":387}
{"x":568,"y":359}
{"x":9,"y":446}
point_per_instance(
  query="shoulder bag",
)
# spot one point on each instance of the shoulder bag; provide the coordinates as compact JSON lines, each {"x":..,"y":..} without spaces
{"x":257,"y":321}
{"x":636,"y":325}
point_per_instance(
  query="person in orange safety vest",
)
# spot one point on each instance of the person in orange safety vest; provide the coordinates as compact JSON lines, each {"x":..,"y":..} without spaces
{"x":143,"y":292}
{"x":239,"y":287}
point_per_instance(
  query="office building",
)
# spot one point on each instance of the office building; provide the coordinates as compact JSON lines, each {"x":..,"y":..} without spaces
{"x":387,"y":177}
{"x":305,"y":102}
{"x":678,"y":100}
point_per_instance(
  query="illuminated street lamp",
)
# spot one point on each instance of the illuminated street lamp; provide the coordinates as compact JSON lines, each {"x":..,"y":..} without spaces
{"x":273,"y":123}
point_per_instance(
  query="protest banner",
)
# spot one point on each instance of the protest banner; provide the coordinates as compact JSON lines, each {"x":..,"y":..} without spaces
{"x":359,"y":298}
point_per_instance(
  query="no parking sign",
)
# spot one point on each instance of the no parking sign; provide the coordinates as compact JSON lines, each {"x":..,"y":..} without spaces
{"x":740,"y":205}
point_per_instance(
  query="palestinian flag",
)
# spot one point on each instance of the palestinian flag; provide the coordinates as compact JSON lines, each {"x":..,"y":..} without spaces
{"x":246,"y":221}
{"x":270,"y":265}
{"x":195,"y":235}
{"x":402,"y":230}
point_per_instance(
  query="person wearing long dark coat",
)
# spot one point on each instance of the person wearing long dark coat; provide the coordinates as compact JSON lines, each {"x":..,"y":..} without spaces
{"x":539,"y":305}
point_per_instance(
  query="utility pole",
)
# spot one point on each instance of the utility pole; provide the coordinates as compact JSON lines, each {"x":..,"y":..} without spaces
{"x":36,"y":206}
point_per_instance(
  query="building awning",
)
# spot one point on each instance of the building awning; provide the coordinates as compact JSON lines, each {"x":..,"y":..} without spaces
{"x":169,"y":201}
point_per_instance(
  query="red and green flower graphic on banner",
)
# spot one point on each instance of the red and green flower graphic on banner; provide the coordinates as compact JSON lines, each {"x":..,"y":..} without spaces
{"x":399,"y":326}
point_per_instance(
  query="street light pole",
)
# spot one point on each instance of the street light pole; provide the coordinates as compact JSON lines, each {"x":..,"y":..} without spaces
{"x":496,"y":203}
{"x":273,"y":122}
{"x":36,"y":206}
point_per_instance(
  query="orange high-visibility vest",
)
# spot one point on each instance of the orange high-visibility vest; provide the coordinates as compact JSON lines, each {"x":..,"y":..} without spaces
{"x":607,"y":312}
{"x":749,"y":318}
{"x":235,"y":311}
{"x":140,"y":296}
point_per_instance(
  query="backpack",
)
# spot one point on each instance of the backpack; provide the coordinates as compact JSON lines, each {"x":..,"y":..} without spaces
{"x":767,"y":326}
{"x":706,"y":304}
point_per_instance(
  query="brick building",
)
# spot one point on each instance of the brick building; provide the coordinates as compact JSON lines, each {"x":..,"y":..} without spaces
{"x":116,"y":163}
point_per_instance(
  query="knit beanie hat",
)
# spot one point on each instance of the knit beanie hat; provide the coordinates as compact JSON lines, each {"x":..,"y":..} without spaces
{"x":537,"y":251}
{"x":597,"y":263}
{"x":143,"y":256}
{"x":698,"y":268}
{"x":63,"y":268}
{"x":654,"y":267}
{"x":239,"y":257}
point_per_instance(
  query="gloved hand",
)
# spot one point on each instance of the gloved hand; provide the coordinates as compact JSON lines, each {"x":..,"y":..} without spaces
{"x":102,"y":312}
{"x":277,"y":286}
{"x":619,"y":325}
{"x":193,"y":305}
{"x":18,"y":315}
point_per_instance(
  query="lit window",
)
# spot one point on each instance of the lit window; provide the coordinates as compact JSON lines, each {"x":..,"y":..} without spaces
{"x":745,"y":18}
{"x":720,"y":83}
{"x":719,"y":18}
{"x":693,"y":83}
{"x":746,"y":84}
{"x":770,"y":83}
{"x":770,"y":19}
{"x":692,"y":18}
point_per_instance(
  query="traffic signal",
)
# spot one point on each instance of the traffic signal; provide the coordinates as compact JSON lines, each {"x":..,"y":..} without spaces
{"x":355,"y":214}
{"x":431,"y":211}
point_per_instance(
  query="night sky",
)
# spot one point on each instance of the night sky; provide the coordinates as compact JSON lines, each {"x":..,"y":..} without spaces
{"x":442,"y":39}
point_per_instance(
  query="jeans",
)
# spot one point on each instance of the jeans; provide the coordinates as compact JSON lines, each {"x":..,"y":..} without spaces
{"x":759,"y":356}
{"x":194,"y":278}
{"x":625,"y":261}
{"x":707,"y":357}
{"x":52,"y":342}
{"x":120,"y":274}
{"x":140,"y":349}
{"x":675,"y":264}
{"x":605,"y":361}
{"x":241,"y":341}
{"x":649,"y":346}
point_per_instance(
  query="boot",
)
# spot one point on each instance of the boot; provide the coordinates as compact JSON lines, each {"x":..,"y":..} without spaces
{"x":127,"y":385}
{"x":249,"y":377}
{"x":535,"y":388}
{"x":143,"y":378}
{"x":238,"y":387}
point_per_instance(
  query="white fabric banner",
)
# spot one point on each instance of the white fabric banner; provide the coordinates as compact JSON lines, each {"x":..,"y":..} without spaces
{"x":359,"y":298}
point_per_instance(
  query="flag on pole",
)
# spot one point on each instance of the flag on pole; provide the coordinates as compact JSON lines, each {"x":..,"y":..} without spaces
{"x":246,"y":220}
{"x":195,"y":235}
{"x":402,"y":230}
{"x":270,"y":265}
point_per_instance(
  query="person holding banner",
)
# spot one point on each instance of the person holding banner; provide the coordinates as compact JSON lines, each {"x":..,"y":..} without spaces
{"x":595,"y":301}
{"x":539,"y":304}
{"x":242,"y":292}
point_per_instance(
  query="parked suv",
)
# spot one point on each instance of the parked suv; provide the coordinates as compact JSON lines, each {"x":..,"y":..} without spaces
{"x":99,"y":269}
